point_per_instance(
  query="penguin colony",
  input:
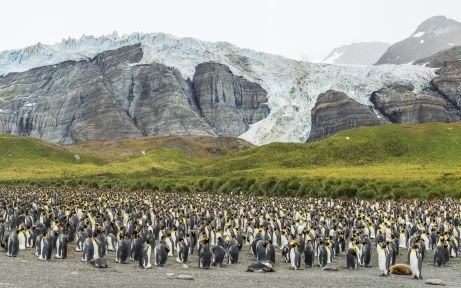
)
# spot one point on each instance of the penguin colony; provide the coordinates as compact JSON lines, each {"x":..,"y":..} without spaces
{"x":154,"y":228}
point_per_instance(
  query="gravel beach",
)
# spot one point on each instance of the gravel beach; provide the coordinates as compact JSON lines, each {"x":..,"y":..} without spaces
{"x":27,"y":271}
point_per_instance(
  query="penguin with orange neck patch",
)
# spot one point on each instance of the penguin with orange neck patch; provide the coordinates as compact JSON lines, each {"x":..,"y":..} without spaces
{"x":416,"y":261}
{"x":351,"y":258}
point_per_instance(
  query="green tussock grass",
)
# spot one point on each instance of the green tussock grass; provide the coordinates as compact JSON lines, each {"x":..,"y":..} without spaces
{"x":396,"y":161}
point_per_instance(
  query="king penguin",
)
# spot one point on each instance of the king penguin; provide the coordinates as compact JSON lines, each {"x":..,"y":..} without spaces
{"x":415,"y":262}
{"x":309,"y":254}
{"x":205,"y":255}
{"x":122,"y":250}
{"x":295,"y":256}
{"x":13,"y":244}
{"x":322,"y":255}
{"x":218,"y":254}
{"x":46,"y":247}
{"x":351,"y":258}
{"x":61,"y":247}
{"x":161,"y":254}
{"x":233,"y":253}
{"x":384,"y":258}
{"x":144,"y":259}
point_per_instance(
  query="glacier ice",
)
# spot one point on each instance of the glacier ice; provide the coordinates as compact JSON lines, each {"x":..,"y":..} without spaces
{"x":292,"y":86}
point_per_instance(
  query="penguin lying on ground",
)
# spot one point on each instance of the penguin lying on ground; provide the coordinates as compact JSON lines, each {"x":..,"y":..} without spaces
{"x":260,"y":267}
{"x":99,"y":263}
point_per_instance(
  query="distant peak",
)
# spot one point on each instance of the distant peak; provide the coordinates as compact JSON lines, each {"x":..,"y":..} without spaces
{"x":436,"y":22}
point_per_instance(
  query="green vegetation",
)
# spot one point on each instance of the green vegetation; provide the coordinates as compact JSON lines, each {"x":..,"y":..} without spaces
{"x":393,"y":161}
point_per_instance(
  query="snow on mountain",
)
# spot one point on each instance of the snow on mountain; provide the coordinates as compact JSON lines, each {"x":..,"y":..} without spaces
{"x":435,"y":34}
{"x":362,"y":53}
{"x":292,"y":86}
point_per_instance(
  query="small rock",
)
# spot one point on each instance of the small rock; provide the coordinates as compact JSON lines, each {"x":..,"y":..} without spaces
{"x":74,"y":273}
{"x":77,"y":157}
{"x":185,"y":266}
{"x":169,"y":274}
{"x":23,"y":261}
{"x":185,"y":277}
{"x":438,"y":282}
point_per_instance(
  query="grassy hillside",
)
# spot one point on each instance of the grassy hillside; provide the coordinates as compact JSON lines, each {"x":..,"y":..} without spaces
{"x":434,"y":144}
{"x":387,"y":161}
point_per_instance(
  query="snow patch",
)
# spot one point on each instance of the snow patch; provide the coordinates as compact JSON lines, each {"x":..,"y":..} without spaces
{"x":421,"y":41}
{"x":419,"y":34}
{"x":331,"y":59}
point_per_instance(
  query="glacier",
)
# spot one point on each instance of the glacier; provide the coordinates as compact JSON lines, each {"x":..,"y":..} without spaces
{"x":292,"y":86}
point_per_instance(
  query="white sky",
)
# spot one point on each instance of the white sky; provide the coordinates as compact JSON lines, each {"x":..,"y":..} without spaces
{"x":287,"y":27}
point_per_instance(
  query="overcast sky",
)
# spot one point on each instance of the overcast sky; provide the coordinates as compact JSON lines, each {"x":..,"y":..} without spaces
{"x":288,"y":27}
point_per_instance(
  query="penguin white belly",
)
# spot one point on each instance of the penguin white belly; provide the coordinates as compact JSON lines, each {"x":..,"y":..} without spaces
{"x":328,"y":255}
{"x":170,"y":244}
{"x":453,"y":253}
{"x":42,"y":247}
{"x":382,"y":260}
{"x":284,"y":242}
{"x":110,"y":244}
{"x":402,"y":241}
{"x":426,"y":242}
{"x":292,"y":258}
{"x":149,"y":252}
{"x":22,"y":241}
{"x":359,"y":256}
{"x":58,"y":249}
{"x":372,"y":233}
{"x":95,"y":250}
{"x":28,"y":242}
{"x":414,"y":264}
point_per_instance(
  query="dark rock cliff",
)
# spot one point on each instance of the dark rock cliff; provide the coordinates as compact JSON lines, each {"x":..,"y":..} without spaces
{"x":111,"y":97}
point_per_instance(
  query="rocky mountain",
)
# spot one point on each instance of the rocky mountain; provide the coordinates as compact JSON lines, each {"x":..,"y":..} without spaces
{"x":157,"y":84}
{"x":440,"y":101}
{"x":334,"y":111}
{"x":362,"y":53}
{"x":108,"y":97}
{"x":433,"y":35}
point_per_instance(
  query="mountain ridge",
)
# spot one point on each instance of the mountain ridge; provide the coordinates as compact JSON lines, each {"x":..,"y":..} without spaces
{"x":357,"y":53}
{"x":433,"y":35}
{"x":292,"y":86}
